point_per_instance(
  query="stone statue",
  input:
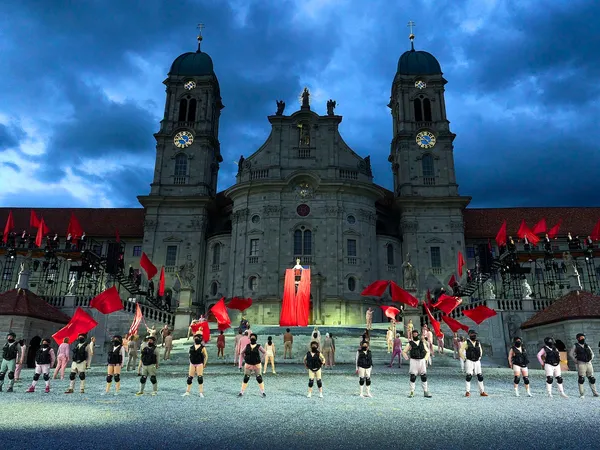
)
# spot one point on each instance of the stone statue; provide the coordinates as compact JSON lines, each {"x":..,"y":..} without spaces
{"x":410,"y":275}
{"x":280,"y":107}
{"x":26,"y":263}
{"x":368,"y":165}
{"x":330,"y":107}
{"x":186,"y":273}
{"x":572,"y":272}
{"x":305,"y":98}
{"x":72,"y":285}
{"x":240,"y":163}
{"x":527,"y":291}
{"x":488,"y":290}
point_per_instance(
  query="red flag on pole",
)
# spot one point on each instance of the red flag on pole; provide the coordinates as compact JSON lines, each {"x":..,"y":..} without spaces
{"x":241,"y":304}
{"x":40,"y":234}
{"x":501,"y":236}
{"x":161,"y":282}
{"x":525,"y":232}
{"x":461,"y":263}
{"x":219,"y":310}
{"x":117,"y":236}
{"x":454,"y":325}
{"x":390,"y":311}
{"x":596,"y":232}
{"x":452,"y":281}
{"x":479,"y":314}
{"x":147,"y":265}
{"x":540,"y":227}
{"x":375,"y":289}
{"x":107,"y":301}
{"x":429,"y":299}
{"x":34,"y":222}
{"x":552,"y":232}
{"x":205,"y":330}
{"x":81,"y":322}
{"x":10,"y":225}
{"x":74,"y":228}
{"x":137,"y":320}
{"x":447,"y":303}
{"x":400,"y":295}
{"x":434,"y":323}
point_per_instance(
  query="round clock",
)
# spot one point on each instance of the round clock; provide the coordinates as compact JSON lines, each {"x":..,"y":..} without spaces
{"x":420,"y":84}
{"x":303,"y":210}
{"x":425,"y":139}
{"x":189,"y":85}
{"x":183,"y":139}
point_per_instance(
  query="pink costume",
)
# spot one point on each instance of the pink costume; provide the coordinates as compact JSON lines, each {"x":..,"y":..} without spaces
{"x":244,"y":341}
{"x":397,"y":351}
{"x":20,"y":363}
{"x":63,"y":359}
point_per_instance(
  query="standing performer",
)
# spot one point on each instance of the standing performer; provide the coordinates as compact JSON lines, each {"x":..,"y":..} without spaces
{"x":252,"y":364}
{"x":416,"y":353}
{"x":461,"y":358}
{"x":397,"y":350}
{"x":409,"y":328}
{"x":221,"y":345}
{"x":327,"y":350}
{"x":314,"y":361}
{"x":63,"y":359}
{"x":389,"y":339}
{"x":472,"y":352}
{"x":244,"y":342}
{"x":440,"y":343}
{"x":21,"y":360}
{"x":288,"y":341}
{"x":11,"y":353}
{"x":198,"y":361}
{"x":236,"y":347}
{"x":168,"y":344}
{"x":116,"y":357}
{"x":549,"y":358}
{"x":142,"y":347}
{"x":582,"y":354}
{"x":517,"y":361}
{"x":369,"y":318}
{"x":132,"y":351}
{"x":455,"y":345}
{"x":364,"y":365}
{"x":149,"y":359}
{"x":44,"y":359}
{"x":81,"y":360}
{"x":270,"y":355}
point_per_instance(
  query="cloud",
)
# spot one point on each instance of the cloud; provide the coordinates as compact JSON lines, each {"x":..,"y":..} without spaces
{"x":82,"y":92}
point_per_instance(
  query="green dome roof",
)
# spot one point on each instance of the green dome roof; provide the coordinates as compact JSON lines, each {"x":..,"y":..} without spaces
{"x":419,"y":62}
{"x":192,"y":63}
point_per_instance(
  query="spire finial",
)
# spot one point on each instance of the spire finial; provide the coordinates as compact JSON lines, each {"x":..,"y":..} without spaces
{"x":200,"y":28}
{"x":411,"y":36}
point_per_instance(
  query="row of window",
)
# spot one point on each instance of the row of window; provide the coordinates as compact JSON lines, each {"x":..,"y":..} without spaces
{"x":253,"y":285}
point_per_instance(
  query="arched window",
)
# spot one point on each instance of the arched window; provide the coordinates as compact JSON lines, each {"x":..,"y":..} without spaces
{"x":427,"y":110}
{"x":418,"y":110}
{"x":428,"y":169}
{"x":304,"y":135}
{"x":183,"y":106}
{"x":253,"y":283}
{"x":390,"y":254}
{"x":214,"y":287}
{"x":216,"y":256}
{"x":351,"y":284}
{"x":302,"y":242}
{"x":180,"y":169}
{"x":191,"y":114}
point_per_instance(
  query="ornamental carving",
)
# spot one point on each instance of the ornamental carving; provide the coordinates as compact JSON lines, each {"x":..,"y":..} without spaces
{"x":240,"y":215}
{"x":334,"y":210}
{"x":368,"y":216}
{"x":272,"y":210}
{"x":409,"y":226}
{"x":457,"y":226}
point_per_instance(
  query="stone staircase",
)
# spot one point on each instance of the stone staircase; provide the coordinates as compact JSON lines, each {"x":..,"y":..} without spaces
{"x":471,"y":287}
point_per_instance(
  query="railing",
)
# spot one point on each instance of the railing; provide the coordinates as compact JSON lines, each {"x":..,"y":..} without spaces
{"x":180,"y":179}
{"x":436,"y":270}
{"x":216,"y":267}
{"x":304,"y":153}
{"x":170,"y":269}
{"x":420,"y":125}
{"x":252,"y":259}
{"x":348,"y":174}
{"x":391,"y":268}
{"x":57,"y":301}
{"x":429,"y":181}
{"x":259,"y":174}
{"x":304,"y":260}
{"x":352,"y":260}
{"x":186,"y":124}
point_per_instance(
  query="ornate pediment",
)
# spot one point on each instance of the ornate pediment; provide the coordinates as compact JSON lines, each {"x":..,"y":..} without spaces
{"x":173,"y":239}
{"x":351,"y":232}
{"x":435,"y":240}
{"x":256,"y":231}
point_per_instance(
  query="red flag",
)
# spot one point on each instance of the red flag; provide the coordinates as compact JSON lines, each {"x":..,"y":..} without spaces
{"x":525,"y":232}
{"x":10,"y":225}
{"x":161,"y":282}
{"x":34,"y":222}
{"x":434,"y":323}
{"x":400,"y":295}
{"x":447,"y":303}
{"x":522,"y":229}
{"x":74,"y":228}
{"x":390,"y":311}
{"x":596,"y":232}
{"x":137,"y":320}
{"x":501,"y":236}
{"x":40,"y":234}
{"x":540,"y":227}
{"x":479,"y":314}
{"x":552,"y":232}
{"x":452,"y":281}
{"x":461,"y":263}
{"x":219,"y":310}
{"x":81,"y":322}
{"x":117,"y":236}
{"x":454,"y":325}
{"x":107,"y":301}
{"x":241,"y":304}
{"x":375,"y":289}
{"x":428,"y":297}
{"x":147,"y":265}
{"x":205,"y":330}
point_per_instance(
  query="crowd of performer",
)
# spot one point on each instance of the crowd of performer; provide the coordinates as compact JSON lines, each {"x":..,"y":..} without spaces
{"x":253,"y":360}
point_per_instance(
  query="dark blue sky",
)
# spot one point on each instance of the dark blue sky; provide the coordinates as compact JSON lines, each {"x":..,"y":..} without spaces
{"x":81,"y":89}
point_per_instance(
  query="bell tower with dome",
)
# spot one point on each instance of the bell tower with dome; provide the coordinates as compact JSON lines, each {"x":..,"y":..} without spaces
{"x":185,"y":174}
{"x":422,"y":159}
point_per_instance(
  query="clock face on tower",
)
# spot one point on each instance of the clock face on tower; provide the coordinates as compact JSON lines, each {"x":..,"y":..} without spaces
{"x":189,"y":85}
{"x":425,"y":139}
{"x":420,"y":84}
{"x":183,"y":139}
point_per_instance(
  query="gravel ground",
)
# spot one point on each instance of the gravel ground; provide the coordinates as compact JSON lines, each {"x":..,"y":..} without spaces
{"x":287,"y":419}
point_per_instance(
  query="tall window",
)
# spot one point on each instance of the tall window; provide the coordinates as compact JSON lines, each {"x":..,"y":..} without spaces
{"x":436,"y":257}
{"x":253,"y":283}
{"x":171,"y":259}
{"x":214,"y":287}
{"x":427,"y":162}
{"x":216,"y":256}
{"x":180,"y":168}
{"x":351,"y":247}
{"x":191,"y":114}
{"x":422,"y":108}
{"x":418,"y":110}
{"x":183,"y":105}
{"x":427,"y":110}
{"x":187,"y":110}
{"x":351,"y":284}
{"x":390,"y":254}
{"x":302,"y":242}
{"x":253,"y":247}
{"x":137,"y":250}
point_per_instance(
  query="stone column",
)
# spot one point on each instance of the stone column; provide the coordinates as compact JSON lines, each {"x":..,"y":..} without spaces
{"x":183,"y":313}
{"x":317,"y":299}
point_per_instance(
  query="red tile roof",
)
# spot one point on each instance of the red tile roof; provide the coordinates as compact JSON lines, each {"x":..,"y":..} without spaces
{"x":480,"y":223}
{"x":26,"y":303}
{"x":574,"y":305}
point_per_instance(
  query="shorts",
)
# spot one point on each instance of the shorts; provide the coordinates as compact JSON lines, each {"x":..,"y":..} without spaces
{"x":149,"y":371}
{"x":314,"y":374}
{"x":114,"y":365}
{"x":197,"y":365}
{"x":79,"y":367}
{"x":585,"y":369}
{"x":552,"y":371}
{"x":364,"y":373}
{"x":417,"y":366}
{"x":518,"y":370}
{"x":8,"y":365}
{"x":472,"y":367}
{"x":42,"y":368}
{"x":250,"y":369}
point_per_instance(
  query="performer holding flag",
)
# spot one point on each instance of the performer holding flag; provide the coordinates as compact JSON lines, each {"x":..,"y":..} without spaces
{"x":198,"y":360}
